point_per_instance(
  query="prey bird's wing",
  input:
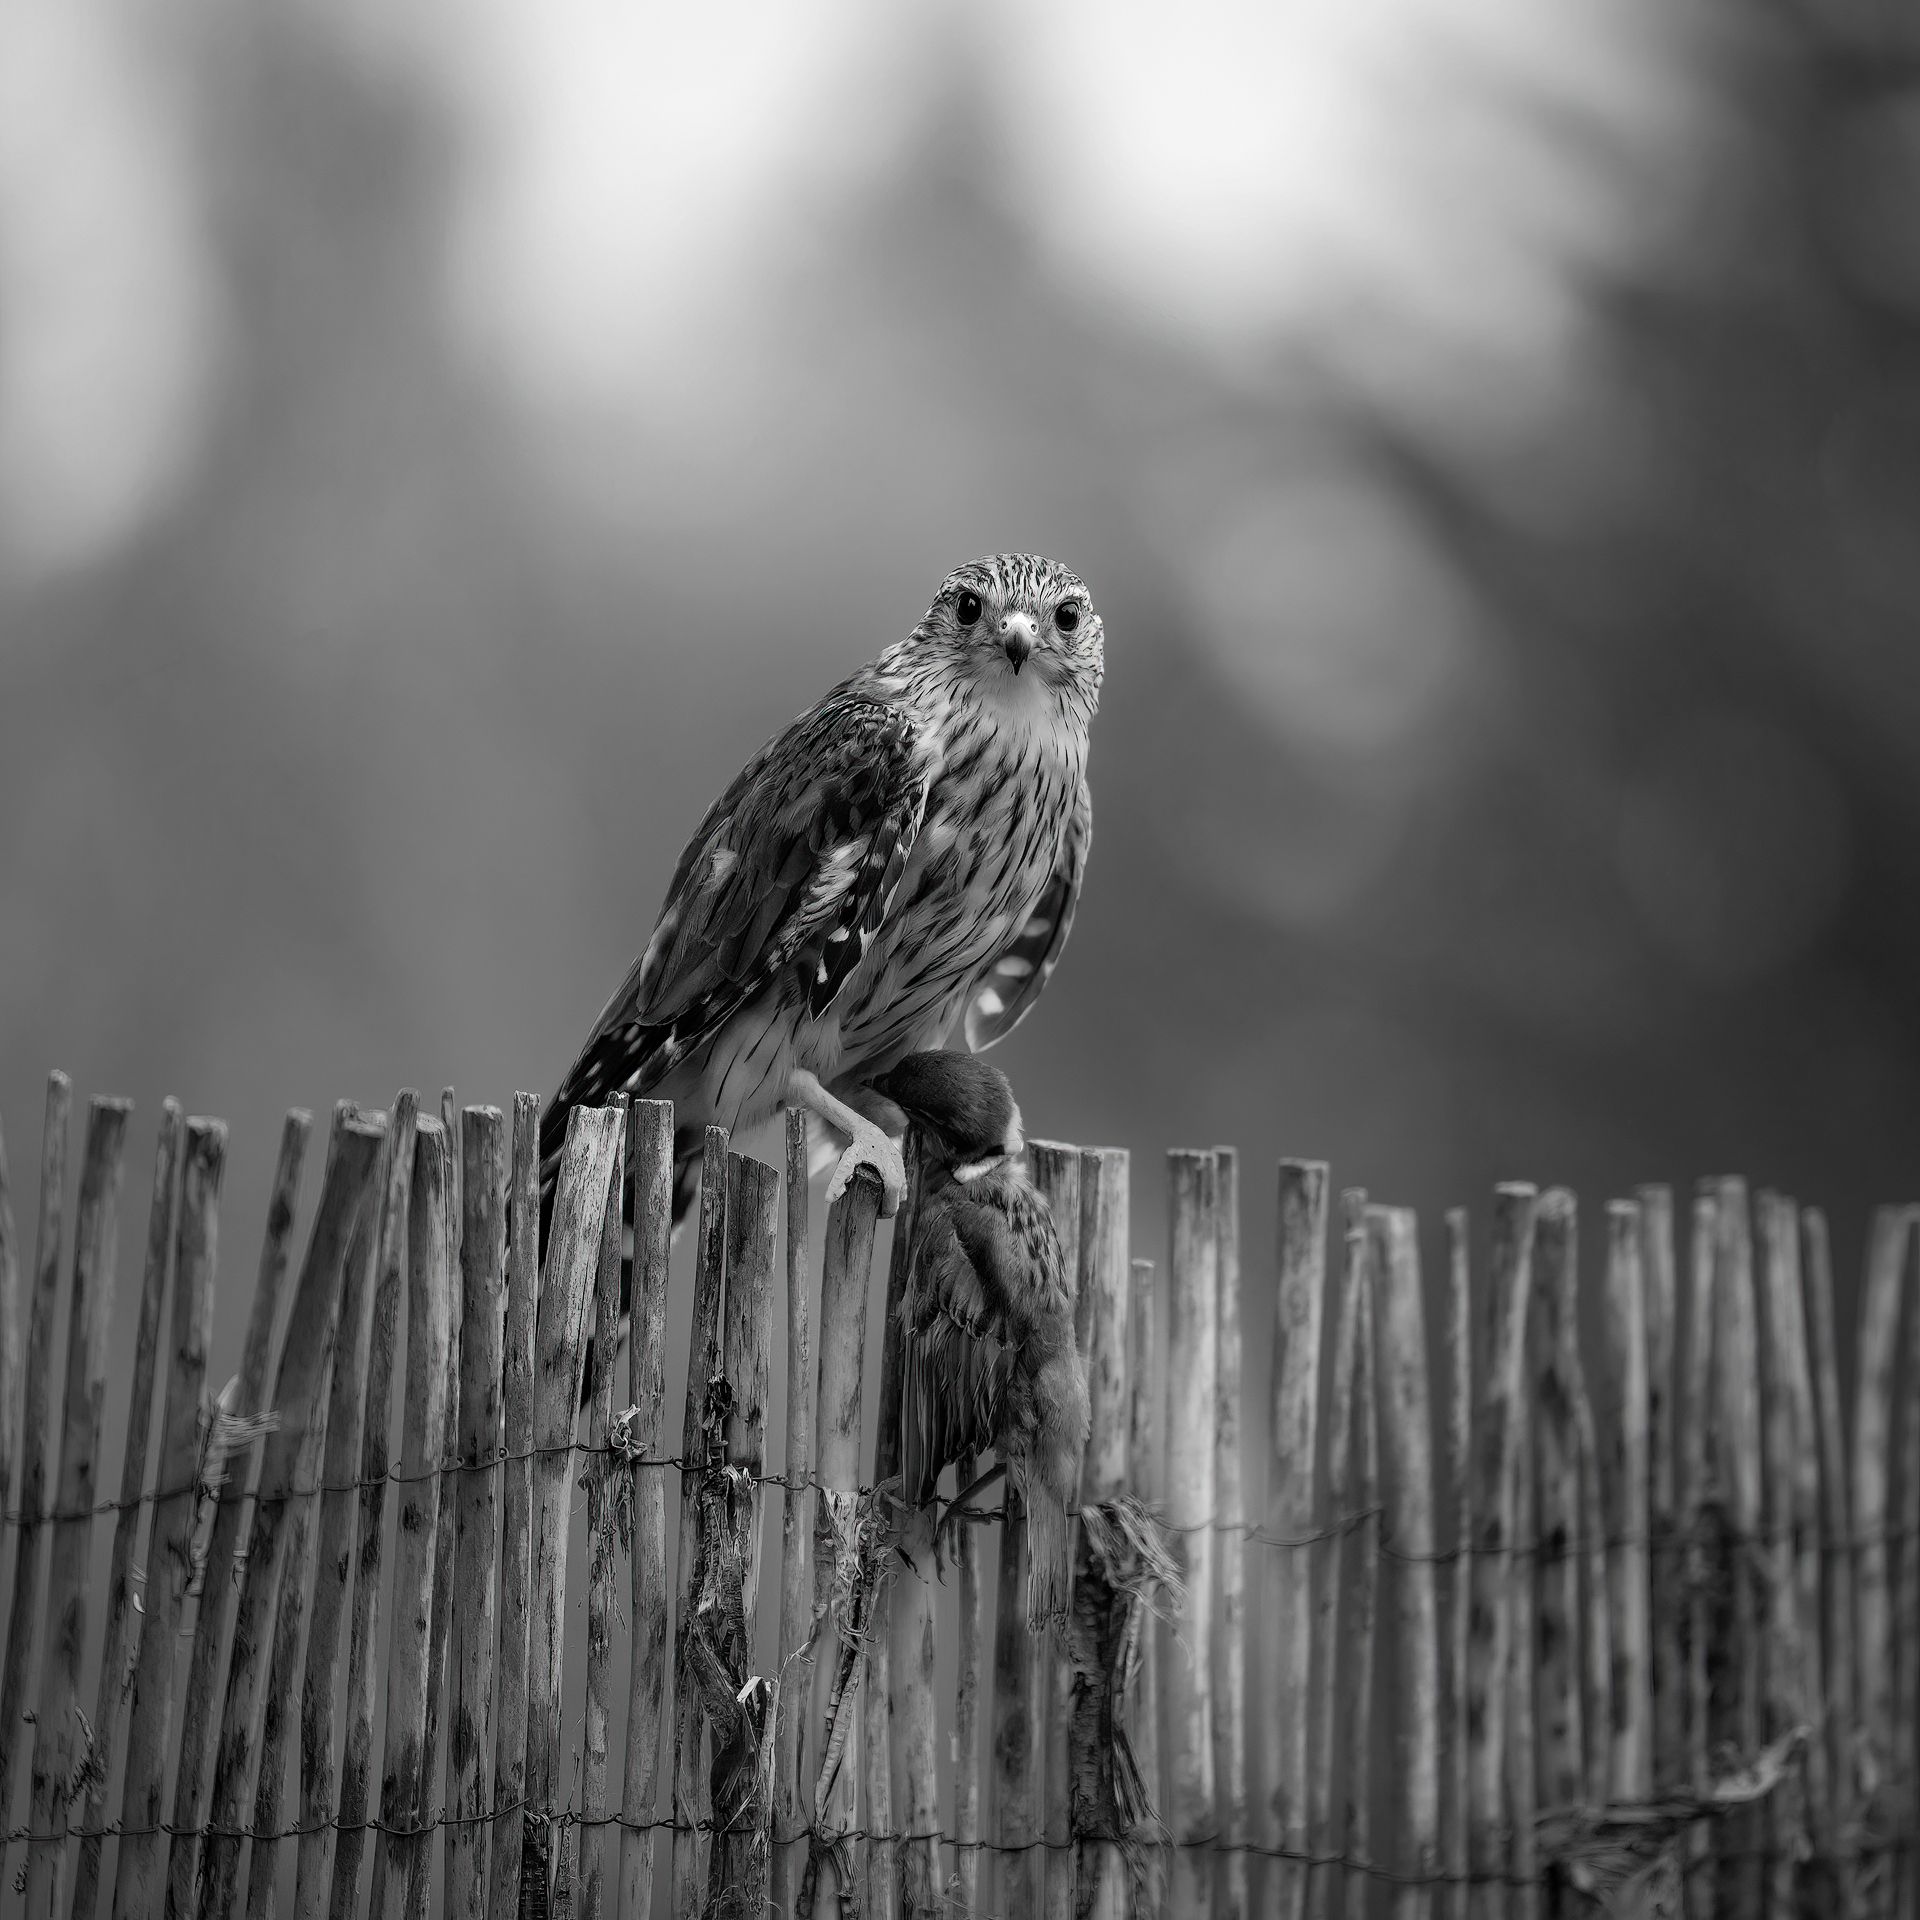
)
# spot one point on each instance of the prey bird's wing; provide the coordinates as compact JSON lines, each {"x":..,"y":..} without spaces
{"x":1013,"y":979}
{"x":959,"y":1357}
{"x":784,"y":885}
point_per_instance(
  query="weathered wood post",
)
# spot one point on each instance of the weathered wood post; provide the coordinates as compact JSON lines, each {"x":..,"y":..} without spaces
{"x":29,"y":1555}
{"x":1406,"y":1426}
{"x":1459,"y":1501}
{"x":336,"y":1891}
{"x":422,"y":1448}
{"x":140,"y":1874}
{"x":1887,"y":1266}
{"x":840,"y":1593}
{"x":1836,"y":1552}
{"x":1056,"y":1173}
{"x":1668,"y":1675}
{"x":602,"y":1603}
{"x":794,"y":1668}
{"x":650,"y":1147}
{"x":1630,"y":1771}
{"x":1101,"y":1615}
{"x":1498,"y":1443}
{"x":1331,"y":1626}
{"x":1364,"y":1545}
{"x":96,"y":1243}
{"x":362,"y":1365}
{"x":279,"y":1564}
{"x":1146,"y":1462}
{"x":1287,"y":1625}
{"x":485,"y":1154}
{"x":1232,"y":1878}
{"x":703,"y":1362}
{"x":118,"y":1650}
{"x":588,"y":1186}
{"x":517,"y":1360}
{"x":1699,"y":1522}
{"x":1193,"y":1367}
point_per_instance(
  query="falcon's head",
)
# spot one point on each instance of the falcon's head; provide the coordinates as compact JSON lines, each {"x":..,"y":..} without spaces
{"x":964,"y":1109}
{"x":1018,"y":622}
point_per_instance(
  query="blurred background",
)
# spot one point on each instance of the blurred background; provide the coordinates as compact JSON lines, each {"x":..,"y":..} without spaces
{"x":437,"y":446}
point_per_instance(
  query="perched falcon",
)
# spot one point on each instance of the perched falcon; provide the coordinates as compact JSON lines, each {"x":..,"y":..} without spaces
{"x":910,"y":847}
{"x":988,"y":1315}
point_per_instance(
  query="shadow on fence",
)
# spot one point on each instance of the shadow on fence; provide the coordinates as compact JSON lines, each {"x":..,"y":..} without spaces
{"x":1664,"y":1631}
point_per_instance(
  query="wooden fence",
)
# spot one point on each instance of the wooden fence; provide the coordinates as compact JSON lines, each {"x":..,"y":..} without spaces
{"x":1560,"y":1593}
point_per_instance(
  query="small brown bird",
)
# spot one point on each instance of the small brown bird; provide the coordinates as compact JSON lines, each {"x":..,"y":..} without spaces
{"x":988,"y":1315}
{"x":909,"y":848}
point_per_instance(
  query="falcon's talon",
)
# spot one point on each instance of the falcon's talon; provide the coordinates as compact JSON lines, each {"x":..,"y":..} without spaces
{"x":871,"y":1148}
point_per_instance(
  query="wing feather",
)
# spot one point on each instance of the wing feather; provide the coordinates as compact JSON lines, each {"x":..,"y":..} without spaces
{"x":1014,"y":978}
{"x":790,"y":874}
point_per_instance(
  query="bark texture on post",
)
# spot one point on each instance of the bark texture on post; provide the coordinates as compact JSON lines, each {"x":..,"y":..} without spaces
{"x":1498,"y":1447}
{"x":141,"y":1870}
{"x":96,"y":1243}
{"x":1232,"y":1878}
{"x":1193,"y":1365}
{"x":1630,"y":1773}
{"x":650,"y":1147}
{"x":1299,"y":1311}
{"x":1668,"y":1564}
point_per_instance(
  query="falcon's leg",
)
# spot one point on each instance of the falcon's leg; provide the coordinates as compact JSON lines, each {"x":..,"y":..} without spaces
{"x":870,"y":1148}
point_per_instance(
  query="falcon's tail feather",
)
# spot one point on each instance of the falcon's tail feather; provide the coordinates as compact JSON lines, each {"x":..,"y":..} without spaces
{"x":1050,"y":1560}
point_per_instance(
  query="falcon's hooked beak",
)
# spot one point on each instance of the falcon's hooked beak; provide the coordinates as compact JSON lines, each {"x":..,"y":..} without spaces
{"x":1019,"y":634}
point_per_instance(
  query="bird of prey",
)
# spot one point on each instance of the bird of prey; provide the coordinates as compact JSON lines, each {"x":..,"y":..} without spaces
{"x":910,"y":847}
{"x":987,"y":1316}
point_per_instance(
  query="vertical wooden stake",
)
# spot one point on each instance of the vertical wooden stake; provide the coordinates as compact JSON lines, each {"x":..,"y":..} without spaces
{"x":1668,"y":1675}
{"x":1887,"y":1261}
{"x":516,"y":1505}
{"x":1794,"y":1689}
{"x":1056,"y":1172}
{"x":1698,"y":1501}
{"x":118,"y":1651}
{"x":902,"y":1601}
{"x":1014,"y":1737}
{"x":340,"y":1521}
{"x":1736,"y":1438}
{"x":1100,"y":1871}
{"x":1522,"y":1678}
{"x":845,"y":1272}
{"x":1904,"y":1785}
{"x":1193,"y":1356}
{"x":1232,"y":1881}
{"x":1331,"y":1627}
{"x":1630,"y":1773}
{"x":423,"y":1446}
{"x":1146,"y":1462}
{"x":1287,"y":1623}
{"x":794,"y":1668}
{"x":279,"y":1546}
{"x":199,"y":1722}
{"x":1498,"y":1443}
{"x":1836,"y":1546}
{"x":140,"y":1874}
{"x":1459,"y":1466}
{"x":293,"y":1643}
{"x":338,"y":1887}
{"x":1406,"y":1425}
{"x":594,"y":1146}
{"x":476,"y":1497}
{"x":1358,"y":1704}
{"x":9,"y":1332}
{"x":703,"y":1362}
{"x":650,"y":1145}
{"x":1557,"y":1494}
{"x":602,"y":1602}
{"x":23,"y":1622}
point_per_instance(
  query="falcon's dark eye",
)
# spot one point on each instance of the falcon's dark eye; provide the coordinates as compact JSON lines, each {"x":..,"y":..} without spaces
{"x":966,"y":607}
{"x":1067,"y":618}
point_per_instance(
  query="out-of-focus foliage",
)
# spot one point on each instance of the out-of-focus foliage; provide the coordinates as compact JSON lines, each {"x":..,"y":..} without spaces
{"x":438,"y":444}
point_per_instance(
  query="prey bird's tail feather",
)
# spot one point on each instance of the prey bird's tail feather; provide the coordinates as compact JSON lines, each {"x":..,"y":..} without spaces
{"x":1050,"y":1558}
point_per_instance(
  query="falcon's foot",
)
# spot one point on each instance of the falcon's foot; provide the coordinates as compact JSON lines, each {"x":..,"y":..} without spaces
{"x":871,"y":1148}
